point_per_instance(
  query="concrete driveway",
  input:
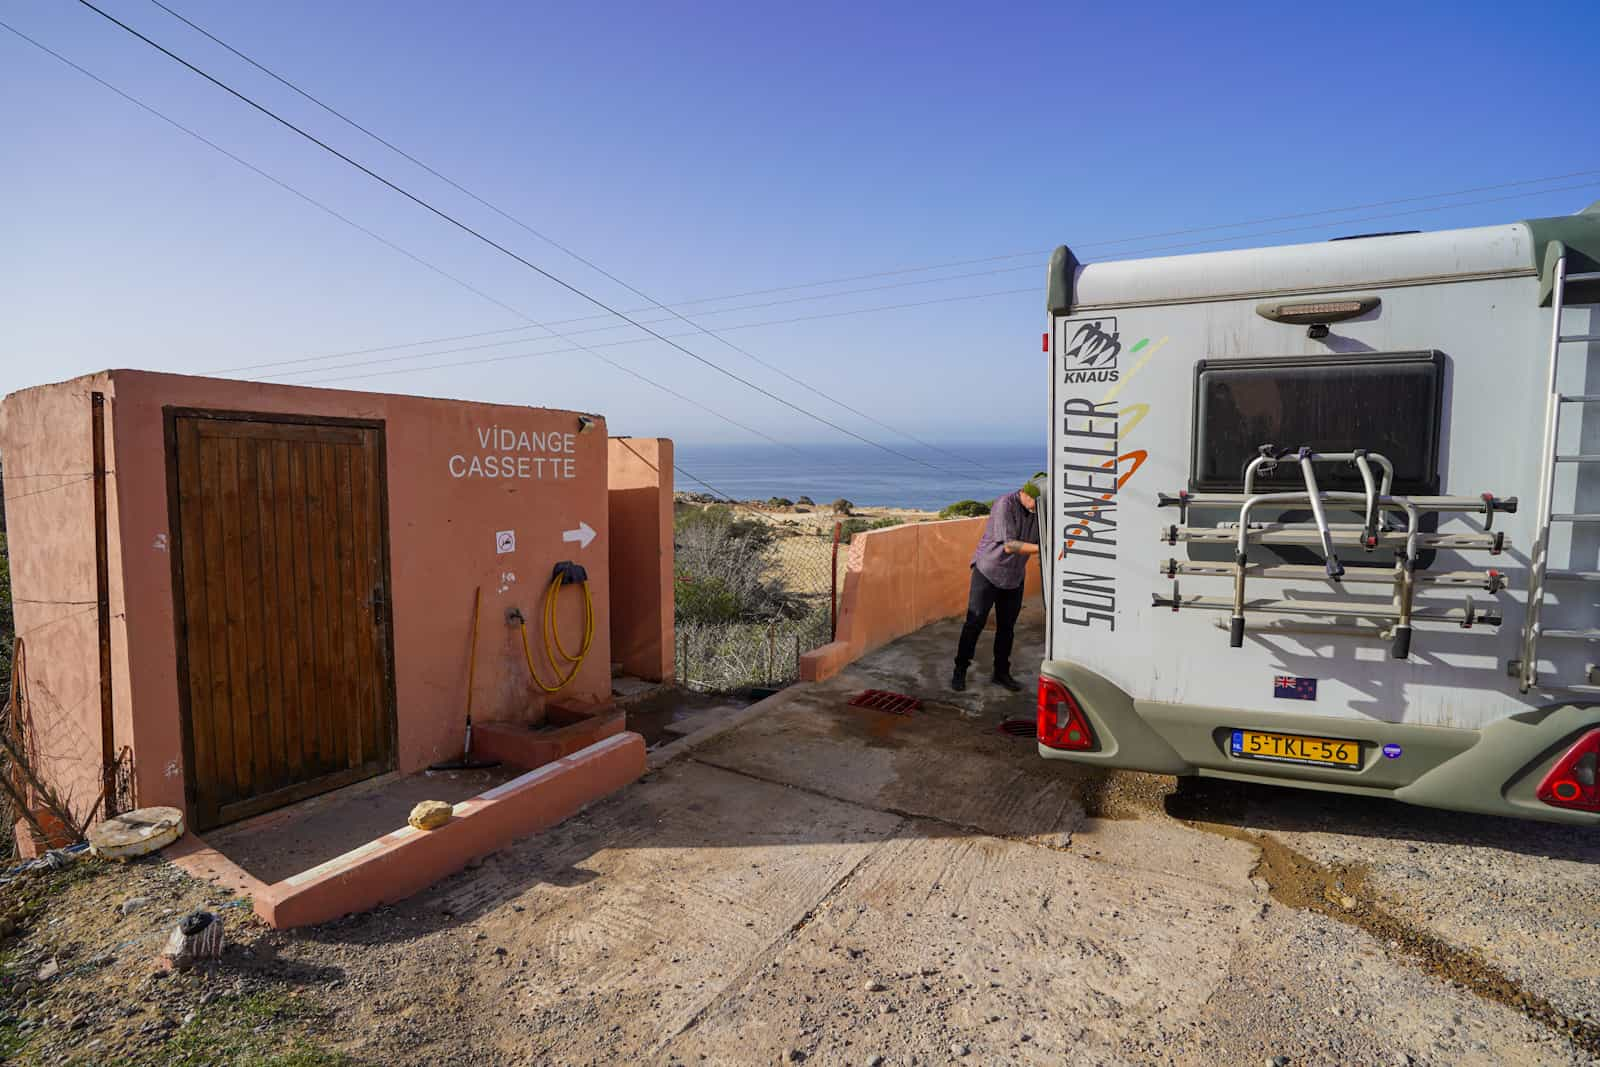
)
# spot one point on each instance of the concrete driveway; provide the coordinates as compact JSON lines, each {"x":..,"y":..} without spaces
{"x":833,"y":885}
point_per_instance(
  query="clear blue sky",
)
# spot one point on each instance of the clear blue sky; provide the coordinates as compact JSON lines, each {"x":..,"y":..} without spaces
{"x":715,"y":148}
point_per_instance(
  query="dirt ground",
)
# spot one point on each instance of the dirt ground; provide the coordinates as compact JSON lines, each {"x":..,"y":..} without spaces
{"x":826,"y":884}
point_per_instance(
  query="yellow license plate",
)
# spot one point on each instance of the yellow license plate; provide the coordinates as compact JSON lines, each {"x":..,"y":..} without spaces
{"x":1294,"y":748}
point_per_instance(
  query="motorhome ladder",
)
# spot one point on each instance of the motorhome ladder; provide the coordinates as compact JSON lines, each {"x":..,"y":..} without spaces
{"x":1540,"y":575}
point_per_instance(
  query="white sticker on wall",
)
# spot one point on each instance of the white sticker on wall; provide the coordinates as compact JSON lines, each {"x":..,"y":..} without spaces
{"x":505,"y":541}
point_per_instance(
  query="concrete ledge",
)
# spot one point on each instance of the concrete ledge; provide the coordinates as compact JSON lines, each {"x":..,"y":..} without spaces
{"x":516,"y":744}
{"x":408,"y":860}
{"x":664,"y":755}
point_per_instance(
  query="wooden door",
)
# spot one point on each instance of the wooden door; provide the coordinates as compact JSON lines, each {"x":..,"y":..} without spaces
{"x":281,"y":585}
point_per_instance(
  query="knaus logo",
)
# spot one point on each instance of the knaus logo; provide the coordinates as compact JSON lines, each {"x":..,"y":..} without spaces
{"x":1089,"y":350}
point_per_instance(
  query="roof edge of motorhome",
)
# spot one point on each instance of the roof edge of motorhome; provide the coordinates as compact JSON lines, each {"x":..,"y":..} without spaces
{"x":1577,"y":236}
{"x":1438,"y":257}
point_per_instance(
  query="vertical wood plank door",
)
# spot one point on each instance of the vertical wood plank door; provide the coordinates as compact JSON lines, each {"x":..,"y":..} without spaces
{"x":281,"y":581}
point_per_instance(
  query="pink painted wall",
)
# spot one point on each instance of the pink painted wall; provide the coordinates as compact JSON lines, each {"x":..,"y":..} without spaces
{"x":442,"y":544}
{"x":641,"y":556}
{"x":896,"y":582}
{"x":45,"y":444}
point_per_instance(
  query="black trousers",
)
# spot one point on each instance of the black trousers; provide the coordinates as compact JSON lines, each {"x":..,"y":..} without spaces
{"x":1007,"y":605}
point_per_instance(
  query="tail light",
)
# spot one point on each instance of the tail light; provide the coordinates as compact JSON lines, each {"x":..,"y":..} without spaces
{"x":1061,"y":721}
{"x":1570,"y":783}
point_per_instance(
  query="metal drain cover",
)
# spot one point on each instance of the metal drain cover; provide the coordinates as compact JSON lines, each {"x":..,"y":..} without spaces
{"x":1020,"y":727}
{"x":882,"y":700}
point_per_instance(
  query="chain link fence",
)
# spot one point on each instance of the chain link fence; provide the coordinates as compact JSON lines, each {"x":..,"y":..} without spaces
{"x":754,"y":592}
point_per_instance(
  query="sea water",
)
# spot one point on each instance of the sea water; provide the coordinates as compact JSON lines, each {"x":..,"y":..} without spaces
{"x":861,"y":474}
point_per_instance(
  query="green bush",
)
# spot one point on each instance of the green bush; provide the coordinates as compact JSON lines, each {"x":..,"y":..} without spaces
{"x":704,"y":599}
{"x":780,"y":502}
{"x":964,"y":509}
{"x":724,"y":569}
{"x":850,"y":527}
{"x":806,"y":501}
{"x":842,"y":506}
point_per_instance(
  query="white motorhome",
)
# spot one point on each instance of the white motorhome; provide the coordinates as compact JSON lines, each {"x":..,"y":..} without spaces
{"x":1328,"y":515}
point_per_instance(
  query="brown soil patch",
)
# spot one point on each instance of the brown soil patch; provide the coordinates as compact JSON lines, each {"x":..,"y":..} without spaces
{"x":1339,"y":891}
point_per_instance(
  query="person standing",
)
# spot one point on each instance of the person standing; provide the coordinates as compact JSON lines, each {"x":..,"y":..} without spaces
{"x":999,"y":573}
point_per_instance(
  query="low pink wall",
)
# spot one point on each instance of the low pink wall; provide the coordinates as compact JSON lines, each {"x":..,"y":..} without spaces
{"x":409,"y":860}
{"x":639,"y":471}
{"x":896,"y":582}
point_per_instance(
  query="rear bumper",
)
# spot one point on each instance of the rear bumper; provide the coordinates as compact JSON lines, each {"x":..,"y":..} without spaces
{"x":1493,"y":771}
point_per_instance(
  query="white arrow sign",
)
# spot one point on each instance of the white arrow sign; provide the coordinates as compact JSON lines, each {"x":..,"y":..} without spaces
{"x":583,"y":535}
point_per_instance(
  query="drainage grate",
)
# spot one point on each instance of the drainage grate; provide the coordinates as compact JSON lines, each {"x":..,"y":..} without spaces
{"x":1020,"y":727}
{"x":881,"y":700}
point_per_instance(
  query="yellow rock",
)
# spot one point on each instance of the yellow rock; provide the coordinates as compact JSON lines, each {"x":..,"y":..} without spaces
{"x":430,"y":815}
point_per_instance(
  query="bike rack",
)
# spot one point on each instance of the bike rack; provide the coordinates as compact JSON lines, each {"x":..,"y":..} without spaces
{"x":1396,"y":617}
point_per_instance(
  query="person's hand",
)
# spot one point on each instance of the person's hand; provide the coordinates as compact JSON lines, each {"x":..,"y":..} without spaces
{"x":1020,"y":548}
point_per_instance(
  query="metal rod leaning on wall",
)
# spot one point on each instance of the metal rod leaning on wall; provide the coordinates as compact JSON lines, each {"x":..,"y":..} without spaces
{"x":102,"y":582}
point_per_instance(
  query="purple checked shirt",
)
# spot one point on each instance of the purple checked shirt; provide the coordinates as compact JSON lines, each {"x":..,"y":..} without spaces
{"x":1008,"y":521}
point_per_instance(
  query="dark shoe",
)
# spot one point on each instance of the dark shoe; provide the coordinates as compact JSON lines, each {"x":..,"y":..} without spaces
{"x":1004,"y":680}
{"x":958,"y":680}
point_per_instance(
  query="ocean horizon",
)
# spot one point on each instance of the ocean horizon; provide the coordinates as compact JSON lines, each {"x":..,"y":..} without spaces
{"x":861,"y":474}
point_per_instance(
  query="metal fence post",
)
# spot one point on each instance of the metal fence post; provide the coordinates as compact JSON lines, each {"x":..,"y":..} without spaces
{"x":833,"y":587}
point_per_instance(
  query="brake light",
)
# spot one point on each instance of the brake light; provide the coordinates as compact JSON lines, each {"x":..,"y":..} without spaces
{"x":1061,"y":721}
{"x":1571,"y":782}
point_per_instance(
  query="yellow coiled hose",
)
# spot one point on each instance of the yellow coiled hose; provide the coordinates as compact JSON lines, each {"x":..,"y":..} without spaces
{"x":552,"y":639}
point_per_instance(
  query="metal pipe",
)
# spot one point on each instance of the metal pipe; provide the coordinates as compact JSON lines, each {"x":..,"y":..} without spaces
{"x":1330,"y":557}
{"x":1236,"y":622}
{"x":102,"y":583}
{"x":1267,"y":462}
{"x":1390,"y":503}
{"x":833,"y":587}
{"x":1369,"y":530}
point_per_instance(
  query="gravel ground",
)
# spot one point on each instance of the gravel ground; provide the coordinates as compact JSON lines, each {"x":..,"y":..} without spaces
{"x":825,"y":884}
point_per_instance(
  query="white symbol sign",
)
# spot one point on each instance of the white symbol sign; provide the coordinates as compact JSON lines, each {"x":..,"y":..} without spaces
{"x":505,"y":541}
{"x":583,"y":535}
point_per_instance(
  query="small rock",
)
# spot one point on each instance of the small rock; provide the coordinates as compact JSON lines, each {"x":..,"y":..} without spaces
{"x":874,"y":986}
{"x":50,"y":969}
{"x":132,"y":904}
{"x":198,"y":936}
{"x":430,"y":814}
{"x":959,"y":1050}
{"x":874,"y":1060}
{"x":1278,"y":1061}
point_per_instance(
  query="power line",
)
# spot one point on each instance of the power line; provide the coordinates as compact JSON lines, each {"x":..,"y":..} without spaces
{"x":1083,"y":247}
{"x":284,"y":185}
{"x":319,"y":205}
{"x":552,"y":242}
{"x":572,"y":333}
{"x":463,"y":227}
{"x":613,"y":325}
{"x":635,"y":290}
{"x":577,"y":346}
{"x":644,"y":340}
{"x":841,"y":314}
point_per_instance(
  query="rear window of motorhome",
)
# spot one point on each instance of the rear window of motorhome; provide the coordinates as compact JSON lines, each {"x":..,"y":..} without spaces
{"x":1383,"y":402}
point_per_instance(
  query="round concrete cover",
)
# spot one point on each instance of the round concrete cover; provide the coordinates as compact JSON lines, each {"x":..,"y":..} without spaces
{"x":135,"y":833}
